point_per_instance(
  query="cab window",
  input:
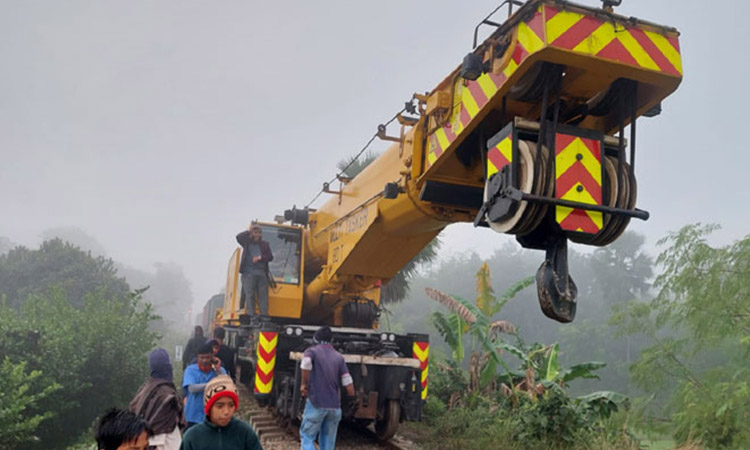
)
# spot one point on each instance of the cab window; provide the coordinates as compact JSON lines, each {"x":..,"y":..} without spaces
{"x":286,"y":246}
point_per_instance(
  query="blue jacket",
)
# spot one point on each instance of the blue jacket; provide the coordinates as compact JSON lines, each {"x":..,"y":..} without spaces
{"x":194,"y":405}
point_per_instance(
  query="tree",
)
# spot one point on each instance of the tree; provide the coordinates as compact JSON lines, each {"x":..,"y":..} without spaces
{"x":5,"y":245}
{"x":76,"y":237}
{"x":698,"y":327}
{"x":167,"y":289}
{"x":619,"y":273}
{"x":66,"y":320}
{"x":25,"y":272}
{"x":20,"y":393}
{"x":96,"y":353}
{"x":397,"y":289}
{"x":351,"y":167}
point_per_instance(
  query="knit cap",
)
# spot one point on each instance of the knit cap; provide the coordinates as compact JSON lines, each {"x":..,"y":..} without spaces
{"x":221,"y":386}
{"x":158,"y":362}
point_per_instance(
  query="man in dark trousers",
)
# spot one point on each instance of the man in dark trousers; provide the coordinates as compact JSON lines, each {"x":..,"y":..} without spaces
{"x":225,"y":354}
{"x":323,"y":372}
{"x":191,"y":349}
{"x":256,"y":254}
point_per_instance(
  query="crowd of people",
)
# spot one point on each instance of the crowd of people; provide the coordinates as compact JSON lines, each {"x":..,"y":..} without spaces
{"x":201,"y":415}
{"x":196,"y":417}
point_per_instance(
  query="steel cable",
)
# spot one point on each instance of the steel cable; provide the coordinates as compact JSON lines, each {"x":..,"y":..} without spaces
{"x":367,"y":145}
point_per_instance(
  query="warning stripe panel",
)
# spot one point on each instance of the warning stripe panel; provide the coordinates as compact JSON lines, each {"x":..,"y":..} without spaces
{"x":266,"y":355}
{"x":578,"y":177}
{"x":265,"y":361}
{"x":499,"y":156}
{"x":421,"y":351}
{"x":569,"y":30}
{"x":626,"y":44}
{"x":577,"y":220}
{"x":476,"y":94}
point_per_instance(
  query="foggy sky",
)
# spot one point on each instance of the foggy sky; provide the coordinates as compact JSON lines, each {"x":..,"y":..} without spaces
{"x":163,"y":128}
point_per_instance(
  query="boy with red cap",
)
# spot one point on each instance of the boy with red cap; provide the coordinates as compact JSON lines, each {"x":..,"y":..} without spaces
{"x":221,"y":429}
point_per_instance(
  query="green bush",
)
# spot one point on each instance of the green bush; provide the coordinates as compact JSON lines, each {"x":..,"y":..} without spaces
{"x":20,"y":392}
{"x":553,"y":417}
{"x":97,"y":354}
{"x":433,"y":409}
{"x":447,"y":379}
{"x":717,"y":413}
{"x":552,"y":422}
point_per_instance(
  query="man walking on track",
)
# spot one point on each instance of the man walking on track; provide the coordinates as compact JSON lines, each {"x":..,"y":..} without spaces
{"x":191,"y":349}
{"x":323,"y":372}
{"x":225,"y":354}
{"x":256,"y":254}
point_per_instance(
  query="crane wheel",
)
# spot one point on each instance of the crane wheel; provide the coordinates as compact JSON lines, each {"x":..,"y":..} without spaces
{"x":534,"y":178}
{"x":621,"y":192}
{"x":387,"y":424}
{"x":543,"y":186}
{"x":526,"y":183}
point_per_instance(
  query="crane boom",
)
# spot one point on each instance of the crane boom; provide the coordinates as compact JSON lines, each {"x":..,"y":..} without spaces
{"x":574,"y":73}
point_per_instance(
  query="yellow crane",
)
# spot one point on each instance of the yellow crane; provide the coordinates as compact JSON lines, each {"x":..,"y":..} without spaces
{"x":526,"y":137}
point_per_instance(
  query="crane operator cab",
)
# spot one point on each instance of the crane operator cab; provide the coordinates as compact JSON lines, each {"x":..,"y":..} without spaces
{"x":285,"y":291}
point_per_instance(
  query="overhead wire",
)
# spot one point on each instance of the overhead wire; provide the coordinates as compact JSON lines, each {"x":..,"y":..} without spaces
{"x":367,"y":145}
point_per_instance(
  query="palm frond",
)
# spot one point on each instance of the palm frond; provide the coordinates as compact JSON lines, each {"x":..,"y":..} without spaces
{"x":352,"y":166}
{"x":397,"y":289}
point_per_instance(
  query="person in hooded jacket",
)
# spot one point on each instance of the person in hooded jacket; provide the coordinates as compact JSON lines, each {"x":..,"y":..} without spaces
{"x":159,"y":403}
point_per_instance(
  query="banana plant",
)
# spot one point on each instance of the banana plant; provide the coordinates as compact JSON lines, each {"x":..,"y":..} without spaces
{"x":541,"y":369}
{"x":475,"y":319}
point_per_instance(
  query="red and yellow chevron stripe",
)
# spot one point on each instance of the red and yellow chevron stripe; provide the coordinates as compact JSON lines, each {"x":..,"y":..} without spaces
{"x":568,"y":30}
{"x":471,"y":96}
{"x":266,"y":361}
{"x":499,"y":156}
{"x":605,"y":39}
{"x":421,"y":351}
{"x":578,"y":177}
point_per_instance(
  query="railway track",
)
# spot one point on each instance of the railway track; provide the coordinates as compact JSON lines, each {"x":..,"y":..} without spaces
{"x":276,"y":435}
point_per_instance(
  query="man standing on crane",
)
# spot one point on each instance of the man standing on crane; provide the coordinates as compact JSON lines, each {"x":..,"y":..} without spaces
{"x":256,"y":254}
